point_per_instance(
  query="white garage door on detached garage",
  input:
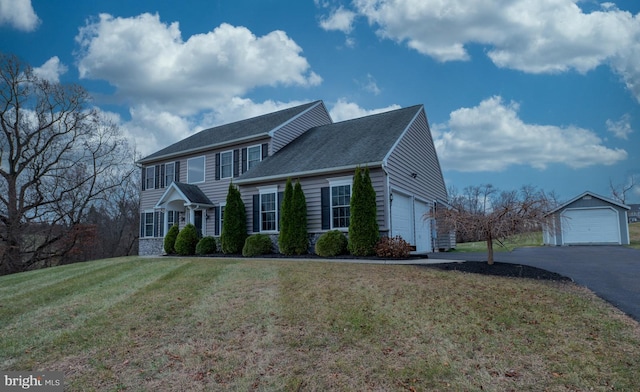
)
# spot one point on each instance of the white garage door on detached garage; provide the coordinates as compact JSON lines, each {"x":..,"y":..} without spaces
{"x":591,"y":226}
{"x":407,"y":221}
{"x":588,"y":219}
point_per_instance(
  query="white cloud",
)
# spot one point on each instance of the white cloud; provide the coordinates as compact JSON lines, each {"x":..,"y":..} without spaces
{"x":51,"y":70}
{"x":621,"y":128}
{"x":344,"y":110}
{"x":339,"y":20}
{"x":371,"y":85}
{"x":491,"y":137}
{"x":19,"y":14}
{"x":149,"y":62}
{"x":532,"y":36}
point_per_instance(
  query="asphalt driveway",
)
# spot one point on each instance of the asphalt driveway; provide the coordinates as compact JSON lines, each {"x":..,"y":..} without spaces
{"x":612,"y":272}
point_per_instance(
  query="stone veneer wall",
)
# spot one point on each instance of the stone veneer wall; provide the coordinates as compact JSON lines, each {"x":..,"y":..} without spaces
{"x":151,"y":246}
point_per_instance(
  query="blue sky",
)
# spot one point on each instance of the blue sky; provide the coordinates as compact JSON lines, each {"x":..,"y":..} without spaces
{"x":517,"y":92}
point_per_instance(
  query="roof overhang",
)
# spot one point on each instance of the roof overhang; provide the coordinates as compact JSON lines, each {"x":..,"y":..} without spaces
{"x":175,"y":193}
{"x":591,"y":194}
{"x":300,"y":174}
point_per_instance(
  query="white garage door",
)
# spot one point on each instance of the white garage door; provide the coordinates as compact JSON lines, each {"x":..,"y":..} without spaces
{"x":423,"y":227}
{"x":590,"y":226}
{"x":402,"y":217}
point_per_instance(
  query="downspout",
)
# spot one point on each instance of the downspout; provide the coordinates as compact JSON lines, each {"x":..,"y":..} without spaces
{"x":388,"y":200}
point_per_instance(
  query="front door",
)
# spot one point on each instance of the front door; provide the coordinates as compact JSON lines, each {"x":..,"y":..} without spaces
{"x":197,"y":221}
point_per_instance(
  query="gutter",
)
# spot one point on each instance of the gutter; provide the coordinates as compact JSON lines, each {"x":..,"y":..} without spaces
{"x":306,"y":173}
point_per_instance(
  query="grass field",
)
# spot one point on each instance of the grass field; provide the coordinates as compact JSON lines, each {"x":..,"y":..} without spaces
{"x":634,"y":234}
{"x":197,"y":324}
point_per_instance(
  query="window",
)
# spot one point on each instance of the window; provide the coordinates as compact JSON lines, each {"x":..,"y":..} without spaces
{"x":268,"y":214}
{"x":150,"y":177}
{"x":172,"y":219}
{"x":226,"y":164}
{"x":254,"y":155}
{"x":195,"y":170}
{"x":148,"y":224}
{"x":169,"y":174}
{"x":340,"y":205}
{"x":219,"y":231}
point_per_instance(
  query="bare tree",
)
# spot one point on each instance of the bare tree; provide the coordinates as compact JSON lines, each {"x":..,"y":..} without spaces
{"x":58,"y":157}
{"x":485,"y":213}
{"x":619,"y":192}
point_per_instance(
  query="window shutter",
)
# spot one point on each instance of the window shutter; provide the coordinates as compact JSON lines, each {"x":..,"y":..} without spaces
{"x":141,"y":224}
{"x":216,"y":216}
{"x":325,"y":203}
{"x":176,"y":176}
{"x":244,"y":160}
{"x":156,"y":217}
{"x":144,"y":178}
{"x":236,"y":163}
{"x":265,"y":150}
{"x":156,"y":175}
{"x":161,"y":224}
{"x":162,"y":179}
{"x":256,"y":213}
{"x":280,"y":198}
{"x":217,"y":166}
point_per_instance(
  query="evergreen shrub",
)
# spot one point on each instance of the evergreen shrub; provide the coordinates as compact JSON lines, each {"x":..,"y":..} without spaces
{"x":170,"y":240}
{"x":331,"y":243}
{"x":187,"y":240}
{"x":363,"y":224}
{"x":234,"y":226}
{"x":206,"y":246}
{"x":257,"y":244}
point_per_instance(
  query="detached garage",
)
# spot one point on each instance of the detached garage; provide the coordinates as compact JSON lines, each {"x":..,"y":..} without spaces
{"x":588,"y":219}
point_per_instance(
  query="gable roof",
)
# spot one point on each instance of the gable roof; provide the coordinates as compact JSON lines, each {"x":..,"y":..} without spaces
{"x":229,"y":133}
{"x":191,"y":194}
{"x":343,"y":145}
{"x":588,"y":193}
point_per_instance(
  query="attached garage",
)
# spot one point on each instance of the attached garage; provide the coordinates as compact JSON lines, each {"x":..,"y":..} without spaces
{"x":588,"y":219}
{"x":407,"y":221}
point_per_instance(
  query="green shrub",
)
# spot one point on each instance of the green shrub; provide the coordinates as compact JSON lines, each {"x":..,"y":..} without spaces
{"x":187,"y":240}
{"x":293,"y":238}
{"x":234,"y":226}
{"x":206,"y":246}
{"x":393,"y":247}
{"x":170,"y":240}
{"x":257,"y":244}
{"x":331,"y":243}
{"x":363,"y":224}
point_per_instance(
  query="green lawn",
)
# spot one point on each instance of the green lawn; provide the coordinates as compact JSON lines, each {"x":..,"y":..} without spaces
{"x":634,"y":234}
{"x":171,"y":324}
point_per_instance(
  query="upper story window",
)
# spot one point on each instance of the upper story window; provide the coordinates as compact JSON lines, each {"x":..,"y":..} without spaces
{"x":169,"y":173}
{"x":254,"y":155}
{"x":150,"y":177}
{"x":195,"y":170}
{"x":340,"y":203}
{"x":226,"y":164}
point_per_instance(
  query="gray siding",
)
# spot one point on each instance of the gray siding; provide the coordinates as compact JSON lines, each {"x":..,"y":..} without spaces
{"x":557,"y":221}
{"x":311,"y":187}
{"x":416,"y":153}
{"x":313,"y":117}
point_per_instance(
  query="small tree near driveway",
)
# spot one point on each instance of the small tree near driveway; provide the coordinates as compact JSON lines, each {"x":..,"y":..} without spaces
{"x":489,"y":214}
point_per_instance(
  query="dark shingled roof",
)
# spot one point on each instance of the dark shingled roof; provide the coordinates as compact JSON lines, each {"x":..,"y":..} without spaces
{"x":360,"y":141}
{"x":239,"y":130}
{"x":193,"y":193}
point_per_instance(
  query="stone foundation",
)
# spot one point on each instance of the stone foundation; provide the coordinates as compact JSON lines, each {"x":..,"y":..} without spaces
{"x":151,"y":246}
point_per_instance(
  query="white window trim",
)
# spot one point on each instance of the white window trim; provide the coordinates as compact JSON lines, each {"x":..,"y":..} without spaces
{"x":153,"y":224}
{"x":204,"y":170}
{"x":221,"y":154}
{"x":221,"y":207}
{"x":151,"y":178}
{"x":266,"y":190}
{"x":259,"y":146}
{"x":167,"y":226}
{"x":334,"y":182}
{"x":166,"y":173}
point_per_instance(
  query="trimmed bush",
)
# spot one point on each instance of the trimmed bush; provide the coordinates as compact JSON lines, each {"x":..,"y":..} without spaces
{"x":293,"y":238}
{"x":234,"y":226}
{"x":187,"y":240}
{"x":393,"y":248}
{"x":363,"y":224}
{"x":170,"y":240}
{"x":206,"y":246}
{"x":331,"y":243}
{"x":257,"y":244}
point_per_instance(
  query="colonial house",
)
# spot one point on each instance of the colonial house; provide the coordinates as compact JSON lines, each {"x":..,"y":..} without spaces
{"x":187,"y":182}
